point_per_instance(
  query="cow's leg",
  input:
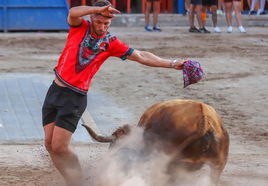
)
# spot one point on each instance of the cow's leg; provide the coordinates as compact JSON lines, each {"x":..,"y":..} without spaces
{"x":218,"y":163}
{"x":216,"y":170}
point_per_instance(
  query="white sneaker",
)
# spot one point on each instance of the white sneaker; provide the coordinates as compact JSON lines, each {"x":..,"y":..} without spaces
{"x":216,"y":29}
{"x":258,"y":12}
{"x":219,"y":12}
{"x":241,"y":30}
{"x":230,"y":29}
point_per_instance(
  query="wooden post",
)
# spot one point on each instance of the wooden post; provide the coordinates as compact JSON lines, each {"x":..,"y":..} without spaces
{"x":163,"y":5}
{"x":170,"y":7}
{"x":128,"y":6}
{"x":143,"y":6}
{"x":114,"y":3}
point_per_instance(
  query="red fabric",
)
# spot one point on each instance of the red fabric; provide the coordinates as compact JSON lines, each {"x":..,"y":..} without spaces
{"x":78,"y":64}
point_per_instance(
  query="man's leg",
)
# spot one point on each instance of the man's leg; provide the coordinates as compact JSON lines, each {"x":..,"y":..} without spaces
{"x":191,"y":15}
{"x":187,"y":5}
{"x":219,"y":4}
{"x":203,"y":15}
{"x":228,"y":13}
{"x":249,"y":3}
{"x":237,"y":8}
{"x":147,"y":12}
{"x":57,"y":142}
{"x":155,"y":8}
{"x":199,"y":16}
{"x":253,"y":3}
{"x":262,"y":2}
{"x":214,"y":15}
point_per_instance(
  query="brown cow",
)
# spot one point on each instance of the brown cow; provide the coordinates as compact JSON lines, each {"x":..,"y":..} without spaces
{"x":191,"y":131}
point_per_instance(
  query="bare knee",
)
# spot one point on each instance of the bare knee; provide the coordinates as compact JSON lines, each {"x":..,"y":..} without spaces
{"x":59,"y":148}
{"x":55,"y":147}
{"x":48,"y":145}
{"x":155,"y":6}
{"x":148,"y":7}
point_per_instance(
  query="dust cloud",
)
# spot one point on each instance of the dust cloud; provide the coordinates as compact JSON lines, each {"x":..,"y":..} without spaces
{"x":127,"y":165}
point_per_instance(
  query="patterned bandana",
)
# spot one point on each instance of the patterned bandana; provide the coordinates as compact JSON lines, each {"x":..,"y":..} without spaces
{"x":192,"y":72}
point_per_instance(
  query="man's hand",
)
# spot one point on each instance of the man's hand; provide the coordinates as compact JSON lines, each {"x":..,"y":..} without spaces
{"x":178,"y":65}
{"x":108,"y":11}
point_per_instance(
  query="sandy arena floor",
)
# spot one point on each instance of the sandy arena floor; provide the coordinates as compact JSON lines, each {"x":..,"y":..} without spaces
{"x":235,"y":83}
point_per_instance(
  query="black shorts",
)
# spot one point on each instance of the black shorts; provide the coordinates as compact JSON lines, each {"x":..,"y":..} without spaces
{"x":64,"y":106}
{"x":209,"y":2}
{"x":196,"y":2}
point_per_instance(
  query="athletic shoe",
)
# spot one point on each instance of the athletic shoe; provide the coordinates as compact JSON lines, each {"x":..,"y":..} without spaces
{"x":216,"y":30}
{"x":251,"y":12}
{"x":147,"y":29}
{"x":262,"y":13}
{"x":186,"y":12}
{"x":219,"y":12}
{"x":204,"y":30}
{"x":241,"y":29}
{"x":194,"y":30}
{"x":157,"y":29}
{"x":258,"y":12}
{"x":230,"y":29}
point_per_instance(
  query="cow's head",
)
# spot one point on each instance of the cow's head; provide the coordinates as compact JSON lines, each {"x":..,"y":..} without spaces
{"x":119,"y":133}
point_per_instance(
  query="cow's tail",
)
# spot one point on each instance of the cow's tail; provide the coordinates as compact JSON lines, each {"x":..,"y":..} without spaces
{"x":203,"y":129}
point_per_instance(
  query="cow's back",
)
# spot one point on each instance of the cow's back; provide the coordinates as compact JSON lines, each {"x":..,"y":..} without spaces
{"x":173,"y":122}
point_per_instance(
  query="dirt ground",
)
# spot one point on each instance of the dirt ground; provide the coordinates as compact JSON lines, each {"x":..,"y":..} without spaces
{"x":235,"y":83}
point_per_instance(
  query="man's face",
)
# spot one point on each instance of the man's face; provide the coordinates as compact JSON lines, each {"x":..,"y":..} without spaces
{"x":100,"y":24}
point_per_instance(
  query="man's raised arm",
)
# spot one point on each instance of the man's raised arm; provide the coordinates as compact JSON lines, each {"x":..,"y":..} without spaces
{"x":75,"y":13}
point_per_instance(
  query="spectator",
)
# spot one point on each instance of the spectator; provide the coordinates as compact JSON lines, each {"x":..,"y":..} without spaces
{"x":237,"y":8}
{"x":221,"y":7}
{"x":155,"y":15}
{"x":186,"y":7}
{"x":249,"y":4}
{"x":261,"y":5}
{"x":196,"y":5}
{"x":213,"y":6}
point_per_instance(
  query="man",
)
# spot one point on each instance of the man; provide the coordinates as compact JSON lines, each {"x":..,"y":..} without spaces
{"x":155,"y":15}
{"x":196,"y":5}
{"x":88,"y":46}
{"x":213,"y":6}
{"x":261,"y":5}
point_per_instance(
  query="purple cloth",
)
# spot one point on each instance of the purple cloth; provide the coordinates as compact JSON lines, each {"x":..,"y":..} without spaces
{"x":192,"y":72}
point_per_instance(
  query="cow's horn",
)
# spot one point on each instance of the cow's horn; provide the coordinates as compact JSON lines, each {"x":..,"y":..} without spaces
{"x":98,"y":138}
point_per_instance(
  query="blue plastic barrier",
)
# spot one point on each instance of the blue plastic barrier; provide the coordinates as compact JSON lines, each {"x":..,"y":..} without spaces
{"x":33,"y":15}
{"x":180,"y":6}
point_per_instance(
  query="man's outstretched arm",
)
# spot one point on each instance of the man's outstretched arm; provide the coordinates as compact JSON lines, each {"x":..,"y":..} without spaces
{"x":149,"y":59}
{"x":75,"y":13}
